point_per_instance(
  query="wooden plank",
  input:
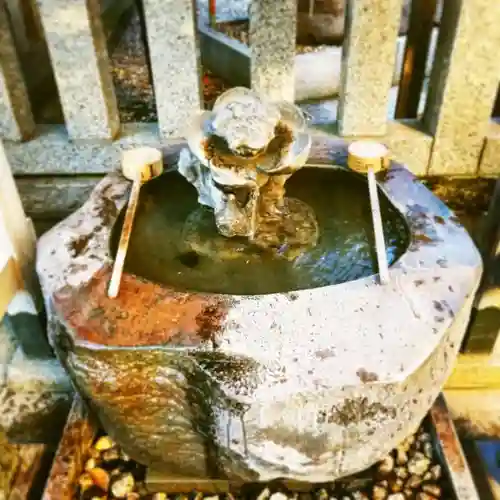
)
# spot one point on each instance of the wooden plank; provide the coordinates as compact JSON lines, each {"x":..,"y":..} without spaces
{"x":490,"y":159}
{"x":463,"y":85}
{"x":368,"y":59}
{"x":77,"y":46}
{"x":10,"y":283}
{"x":76,"y":440}
{"x":474,"y":371}
{"x":30,"y":461}
{"x":18,"y":227}
{"x":173,"y":52}
{"x":16,"y":119}
{"x":272,"y":48}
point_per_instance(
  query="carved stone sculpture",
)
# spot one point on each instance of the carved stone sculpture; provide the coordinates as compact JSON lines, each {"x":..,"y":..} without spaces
{"x":241,"y":154}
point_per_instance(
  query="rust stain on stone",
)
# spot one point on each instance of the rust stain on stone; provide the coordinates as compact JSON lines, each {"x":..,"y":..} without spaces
{"x":144,"y":313}
{"x":78,"y":245}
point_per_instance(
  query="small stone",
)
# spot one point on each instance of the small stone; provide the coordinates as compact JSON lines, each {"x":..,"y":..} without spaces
{"x":401,"y":472}
{"x":396,"y":496}
{"x":134,"y":496}
{"x":104,"y":443}
{"x":100,"y":478}
{"x":90,"y":464}
{"x":414,"y":482}
{"x":435,"y":472}
{"x":425,"y":437}
{"x":418,"y":464}
{"x":424,"y":496}
{"x":401,"y":456}
{"x":93,"y":493}
{"x":359,"y":495}
{"x":432,"y":489}
{"x":159,"y":496}
{"x":111,"y":455}
{"x":322,"y":494}
{"x":264,"y":494}
{"x":278,"y":496}
{"x":124,"y":456}
{"x":122,"y":485}
{"x":85,"y":481}
{"x":427,"y":476}
{"x":397,"y":485}
{"x":387,"y":465}
{"x":379,"y":492}
{"x":428,"y":450}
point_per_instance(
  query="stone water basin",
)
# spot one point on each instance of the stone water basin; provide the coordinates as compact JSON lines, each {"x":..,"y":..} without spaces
{"x":313,"y":376}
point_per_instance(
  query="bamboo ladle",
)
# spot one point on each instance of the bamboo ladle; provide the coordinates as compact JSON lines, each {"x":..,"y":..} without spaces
{"x":367,"y":157}
{"x":138,"y":165}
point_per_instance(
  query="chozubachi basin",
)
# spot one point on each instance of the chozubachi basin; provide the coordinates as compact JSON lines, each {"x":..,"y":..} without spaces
{"x":250,"y":345}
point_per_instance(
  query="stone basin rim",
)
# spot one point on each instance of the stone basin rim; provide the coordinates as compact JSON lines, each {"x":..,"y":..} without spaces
{"x":402,"y":191}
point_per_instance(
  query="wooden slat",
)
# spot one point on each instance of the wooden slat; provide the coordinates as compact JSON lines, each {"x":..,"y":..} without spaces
{"x":418,"y":41}
{"x":174,"y":58}
{"x":463,"y":85}
{"x":77,"y":46}
{"x":474,"y":371}
{"x":272,"y":47}
{"x":16,"y":119}
{"x":18,"y":226}
{"x":367,"y":66}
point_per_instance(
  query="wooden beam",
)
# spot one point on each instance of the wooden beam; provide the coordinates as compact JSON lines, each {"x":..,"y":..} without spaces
{"x":474,"y":371}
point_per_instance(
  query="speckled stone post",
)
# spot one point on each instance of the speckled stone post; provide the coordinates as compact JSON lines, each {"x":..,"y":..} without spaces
{"x":16,"y":120}
{"x":174,"y":58}
{"x":272,"y":48}
{"x":368,"y":65}
{"x":77,"y":46}
{"x":463,"y":85}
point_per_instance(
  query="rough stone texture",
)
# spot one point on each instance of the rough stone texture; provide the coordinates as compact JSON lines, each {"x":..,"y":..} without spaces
{"x":371,"y":33}
{"x":16,"y":120}
{"x":312,"y":385}
{"x":272,"y":48}
{"x":77,"y":45}
{"x":490,"y":159}
{"x":8,"y":346}
{"x":174,"y":59}
{"x":463,"y":85}
{"x":34,"y":400}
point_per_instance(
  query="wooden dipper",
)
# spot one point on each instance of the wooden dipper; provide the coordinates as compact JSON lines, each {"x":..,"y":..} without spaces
{"x":367,"y":157}
{"x":139,"y":165}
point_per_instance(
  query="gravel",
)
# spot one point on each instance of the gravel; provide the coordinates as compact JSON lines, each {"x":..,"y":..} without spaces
{"x":411,"y":471}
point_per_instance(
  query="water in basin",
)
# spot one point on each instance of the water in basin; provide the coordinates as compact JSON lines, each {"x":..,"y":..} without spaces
{"x":161,"y":248}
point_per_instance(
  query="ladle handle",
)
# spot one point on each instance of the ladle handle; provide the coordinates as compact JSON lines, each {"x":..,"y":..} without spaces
{"x":116,"y":276}
{"x":383,"y":267}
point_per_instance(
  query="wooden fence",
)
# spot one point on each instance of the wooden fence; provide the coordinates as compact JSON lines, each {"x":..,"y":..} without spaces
{"x":455,"y":136}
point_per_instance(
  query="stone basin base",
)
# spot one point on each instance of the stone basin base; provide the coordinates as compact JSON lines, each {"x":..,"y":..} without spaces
{"x":310,"y":385}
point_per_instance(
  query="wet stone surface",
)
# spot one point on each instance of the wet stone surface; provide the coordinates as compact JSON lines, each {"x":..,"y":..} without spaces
{"x":412,"y":471}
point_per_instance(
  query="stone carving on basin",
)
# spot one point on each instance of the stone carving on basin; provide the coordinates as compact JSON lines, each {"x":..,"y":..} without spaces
{"x":312,"y":381}
{"x":241,"y":154}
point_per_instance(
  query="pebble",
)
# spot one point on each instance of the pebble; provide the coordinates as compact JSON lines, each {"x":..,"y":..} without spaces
{"x":100,"y":478}
{"x":419,"y":464}
{"x":278,"y":496}
{"x":122,"y":485}
{"x":387,"y":465}
{"x":396,"y":496}
{"x":104,"y":443}
{"x":379,"y":492}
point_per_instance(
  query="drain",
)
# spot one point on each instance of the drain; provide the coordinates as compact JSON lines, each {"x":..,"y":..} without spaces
{"x":189,"y":259}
